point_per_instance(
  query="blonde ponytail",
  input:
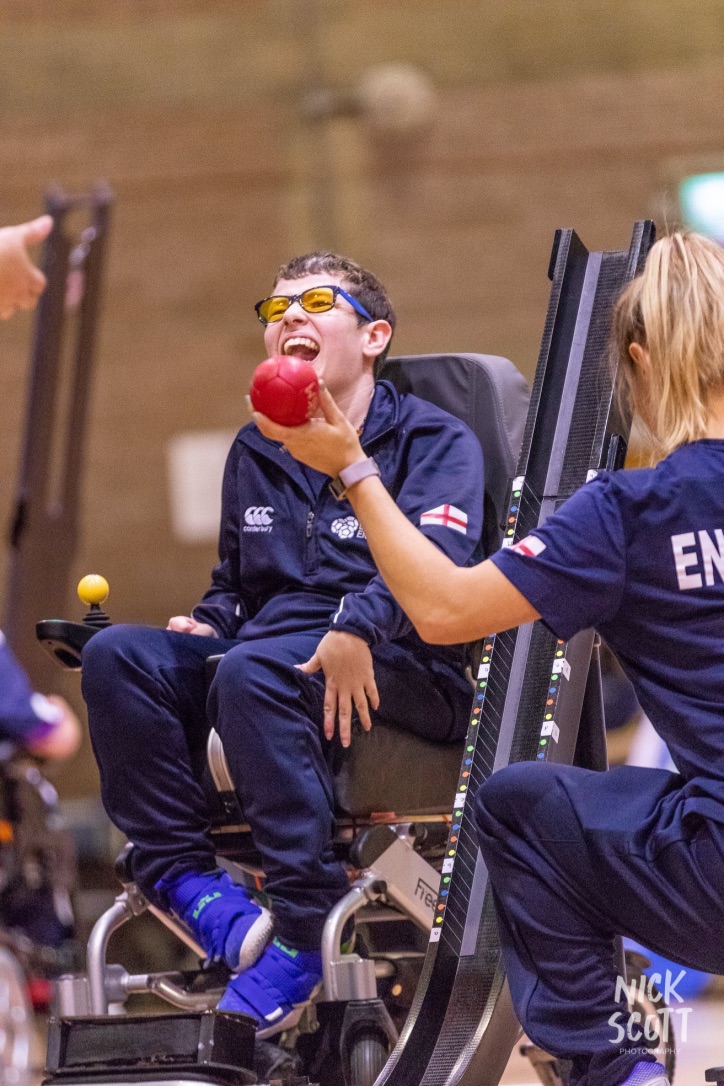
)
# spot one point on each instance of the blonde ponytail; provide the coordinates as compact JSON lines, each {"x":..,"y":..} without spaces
{"x":675,"y":309}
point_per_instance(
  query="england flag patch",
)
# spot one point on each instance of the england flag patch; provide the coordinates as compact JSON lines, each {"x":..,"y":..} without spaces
{"x":447,"y":516}
{"x":530,"y":547}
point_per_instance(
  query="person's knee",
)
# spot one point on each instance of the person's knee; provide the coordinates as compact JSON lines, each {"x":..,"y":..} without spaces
{"x":512,"y":792}
{"x":102,"y":655}
{"x":242,"y":668}
{"x":252,"y":667}
{"x":248,"y":678}
{"x":253,"y":687}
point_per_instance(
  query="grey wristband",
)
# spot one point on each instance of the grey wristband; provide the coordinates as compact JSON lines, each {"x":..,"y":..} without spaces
{"x":347,"y":477}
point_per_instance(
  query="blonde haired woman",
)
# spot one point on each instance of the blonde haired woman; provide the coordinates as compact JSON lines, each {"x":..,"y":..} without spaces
{"x":577,"y":857}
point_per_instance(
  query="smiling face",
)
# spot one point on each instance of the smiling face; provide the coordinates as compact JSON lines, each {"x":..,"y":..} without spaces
{"x":341,"y":350}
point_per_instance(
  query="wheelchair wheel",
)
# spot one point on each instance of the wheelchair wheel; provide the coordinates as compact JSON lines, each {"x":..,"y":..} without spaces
{"x":16,"y":1023}
{"x":368,"y":1055}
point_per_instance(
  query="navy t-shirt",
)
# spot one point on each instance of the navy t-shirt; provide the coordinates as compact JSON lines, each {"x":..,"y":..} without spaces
{"x":639,"y":555}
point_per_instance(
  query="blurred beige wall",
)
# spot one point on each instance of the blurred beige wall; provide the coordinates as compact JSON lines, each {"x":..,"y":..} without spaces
{"x":548,"y":114}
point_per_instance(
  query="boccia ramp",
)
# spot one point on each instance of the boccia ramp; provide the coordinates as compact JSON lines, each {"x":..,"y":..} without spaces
{"x":535,"y":697}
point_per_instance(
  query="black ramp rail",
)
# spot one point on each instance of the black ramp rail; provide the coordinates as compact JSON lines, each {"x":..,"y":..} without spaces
{"x":530,"y":687}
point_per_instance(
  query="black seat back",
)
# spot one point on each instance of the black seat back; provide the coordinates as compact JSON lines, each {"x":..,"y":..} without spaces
{"x":487,"y":393}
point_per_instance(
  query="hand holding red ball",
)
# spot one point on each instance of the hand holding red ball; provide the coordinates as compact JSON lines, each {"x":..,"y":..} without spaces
{"x":328,"y":444}
{"x":285,"y":389}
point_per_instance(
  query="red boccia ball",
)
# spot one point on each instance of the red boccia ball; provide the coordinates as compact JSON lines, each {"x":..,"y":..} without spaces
{"x":285,"y":389}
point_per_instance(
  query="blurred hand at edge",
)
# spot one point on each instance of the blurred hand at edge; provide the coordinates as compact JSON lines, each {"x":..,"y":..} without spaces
{"x":64,"y":740}
{"x":21,"y":283}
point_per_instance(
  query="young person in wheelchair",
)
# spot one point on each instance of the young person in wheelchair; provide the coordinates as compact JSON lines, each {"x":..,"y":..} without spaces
{"x":577,"y":857}
{"x":311,"y":636}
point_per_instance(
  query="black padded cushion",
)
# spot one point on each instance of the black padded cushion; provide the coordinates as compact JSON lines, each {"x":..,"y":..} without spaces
{"x":389,"y":769}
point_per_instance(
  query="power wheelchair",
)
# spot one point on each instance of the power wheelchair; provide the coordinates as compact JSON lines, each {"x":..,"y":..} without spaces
{"x":394,"y":794}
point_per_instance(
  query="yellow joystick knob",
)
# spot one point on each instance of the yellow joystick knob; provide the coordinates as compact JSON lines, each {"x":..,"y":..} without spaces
{"x":93,"y":589}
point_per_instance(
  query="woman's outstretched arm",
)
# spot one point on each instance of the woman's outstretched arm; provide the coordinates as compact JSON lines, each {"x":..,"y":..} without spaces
{"x":447,"y":604}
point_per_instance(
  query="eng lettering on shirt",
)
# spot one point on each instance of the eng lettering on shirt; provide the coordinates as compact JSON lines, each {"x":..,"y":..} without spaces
{"x":697,"y":556}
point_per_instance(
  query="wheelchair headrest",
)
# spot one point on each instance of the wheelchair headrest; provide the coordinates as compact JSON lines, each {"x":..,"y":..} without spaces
{"x":486,"y":392}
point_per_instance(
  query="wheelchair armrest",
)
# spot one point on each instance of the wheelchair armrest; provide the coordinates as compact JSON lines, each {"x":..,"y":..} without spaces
{"x":64,"y":640}
{"x":212,"y":662}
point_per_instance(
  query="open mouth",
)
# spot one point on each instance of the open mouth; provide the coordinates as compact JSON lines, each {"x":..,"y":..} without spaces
{"x":301,"y":347}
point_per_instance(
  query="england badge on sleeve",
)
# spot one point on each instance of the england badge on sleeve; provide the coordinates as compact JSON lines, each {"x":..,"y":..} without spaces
{"x":447,"y":516}
{"x":530,"y":547}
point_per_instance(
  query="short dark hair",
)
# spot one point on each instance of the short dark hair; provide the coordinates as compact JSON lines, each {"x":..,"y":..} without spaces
{"x":363,"y":285}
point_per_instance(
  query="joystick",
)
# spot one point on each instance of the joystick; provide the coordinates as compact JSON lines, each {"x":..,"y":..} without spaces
{"x":65,"y":640}
{"x":93,"y":591}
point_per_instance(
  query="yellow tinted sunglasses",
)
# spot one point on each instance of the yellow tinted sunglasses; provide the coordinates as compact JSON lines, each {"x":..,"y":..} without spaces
{"x":313,"y":300}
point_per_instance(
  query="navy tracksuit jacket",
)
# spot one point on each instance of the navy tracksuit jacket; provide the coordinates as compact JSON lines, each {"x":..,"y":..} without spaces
{"x":294,"y":564}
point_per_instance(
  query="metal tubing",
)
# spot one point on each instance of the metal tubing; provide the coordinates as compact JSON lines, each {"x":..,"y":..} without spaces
{"x":360,"y":893}
{"x":162,"y":985}
{"x":110,"y":921}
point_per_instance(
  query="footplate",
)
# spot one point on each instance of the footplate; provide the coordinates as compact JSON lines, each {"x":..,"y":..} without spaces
{"x":212,"y":1046}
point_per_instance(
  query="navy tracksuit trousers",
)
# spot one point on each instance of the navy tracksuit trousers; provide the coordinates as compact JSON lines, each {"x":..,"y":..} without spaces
{"x":575,"y":858}
{"x":149,"y":721}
